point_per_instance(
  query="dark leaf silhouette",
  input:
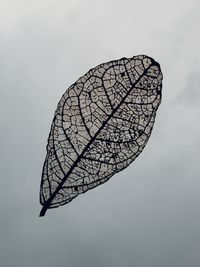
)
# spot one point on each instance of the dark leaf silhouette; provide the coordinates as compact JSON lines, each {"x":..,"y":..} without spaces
{"x":101,"y":124}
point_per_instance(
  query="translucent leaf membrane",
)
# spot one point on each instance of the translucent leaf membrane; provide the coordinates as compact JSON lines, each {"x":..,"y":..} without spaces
{"x":101,"y":124}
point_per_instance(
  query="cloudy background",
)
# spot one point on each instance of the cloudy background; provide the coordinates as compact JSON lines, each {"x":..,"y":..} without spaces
{"x":149,"y":214}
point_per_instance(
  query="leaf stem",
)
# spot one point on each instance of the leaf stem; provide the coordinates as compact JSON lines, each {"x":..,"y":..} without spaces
{"x":43,"y":210}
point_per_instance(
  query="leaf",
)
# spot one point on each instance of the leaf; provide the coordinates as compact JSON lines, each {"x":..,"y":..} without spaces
{"x":101,"y":124}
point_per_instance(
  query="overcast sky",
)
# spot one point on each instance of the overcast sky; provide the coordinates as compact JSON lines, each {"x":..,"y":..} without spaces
{"x":149,"y":214}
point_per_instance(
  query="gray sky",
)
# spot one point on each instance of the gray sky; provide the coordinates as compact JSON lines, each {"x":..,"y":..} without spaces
{"x":149,"y":214}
